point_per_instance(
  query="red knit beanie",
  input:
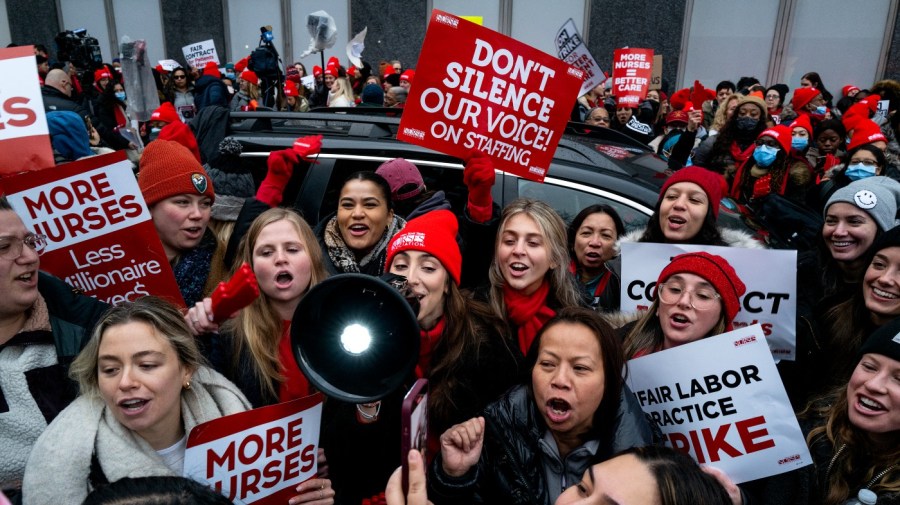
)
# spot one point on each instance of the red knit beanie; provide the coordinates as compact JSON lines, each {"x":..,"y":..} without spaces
{"x":101,"y":73}
{"x":434,"y":233}
{"x":212,"y":69}
{"x":241,"y":64}
{"x":717,"y":271}
{"x":332,"y":71}
{"x":803,"y":96}
{"x":871,"y":102}
{"x":165,"y":113}
{"x":713,"y":184}
{"x":408,"y":75}
{"x":290,"y":89}
{"x":781,"y":133}
{"x":317,"y":71}
{"x":181,"y":133}
{"x":250,"y":76}
{"x":846,"y":90}
{"x":169,"y":169}
{"x":866,"y":132}
{"x":802,"y":121}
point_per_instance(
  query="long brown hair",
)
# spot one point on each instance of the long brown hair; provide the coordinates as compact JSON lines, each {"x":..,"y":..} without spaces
{"x":858,"y":447}
{"x":258,"y":327}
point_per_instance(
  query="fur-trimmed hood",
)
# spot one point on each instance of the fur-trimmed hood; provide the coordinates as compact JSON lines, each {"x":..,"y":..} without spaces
{"x":731,"y":237}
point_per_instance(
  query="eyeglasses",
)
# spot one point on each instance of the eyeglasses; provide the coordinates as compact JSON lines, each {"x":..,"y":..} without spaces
{"x":868,"y":163}
{"x":11,"y":247}
{"x":179,"y":77}
{"x":700,"y":299}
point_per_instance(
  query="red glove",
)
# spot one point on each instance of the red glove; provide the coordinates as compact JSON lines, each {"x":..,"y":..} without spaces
{"x":762,"y":186}
{"x":281,"y":166}
{"x":239,"y":292}
{"x":307,"y":147}
{"x":479,"y":178}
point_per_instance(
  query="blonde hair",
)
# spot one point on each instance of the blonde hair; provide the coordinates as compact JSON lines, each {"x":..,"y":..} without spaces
{"x":344,"y":89}
{"x":562,"y":285}
{"x":721,"y":116}
{"x":258,"y":327}
{"x":165,"y":319}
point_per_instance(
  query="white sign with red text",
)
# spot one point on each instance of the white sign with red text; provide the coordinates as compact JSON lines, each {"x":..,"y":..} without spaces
{"x":721,"y":401}
{"x":199,"y":54}
{"x":572,"y":50}
{"x":24,"y":137}
{"x":258,"y":456}
{"x":769,"y":275}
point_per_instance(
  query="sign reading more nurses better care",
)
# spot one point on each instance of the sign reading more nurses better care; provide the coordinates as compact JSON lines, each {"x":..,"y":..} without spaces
{"x":100,"y":236}
{"x":721,"y":401}
{"x":199,"y":54}
{"x":478,"y":89}
{"x":770,"y":300}
{"x":632,"y":70}
{"x":24,"y":137}
{"x":258,"y":456}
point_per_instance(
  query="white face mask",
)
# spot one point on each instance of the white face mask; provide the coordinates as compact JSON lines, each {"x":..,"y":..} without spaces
{"x":230,"y":90}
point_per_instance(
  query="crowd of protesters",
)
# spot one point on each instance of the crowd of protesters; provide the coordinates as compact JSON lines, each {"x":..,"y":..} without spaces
{"x":522,"y":336}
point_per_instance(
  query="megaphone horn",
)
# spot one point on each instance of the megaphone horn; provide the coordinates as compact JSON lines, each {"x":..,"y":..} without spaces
{"x":355,"y":338}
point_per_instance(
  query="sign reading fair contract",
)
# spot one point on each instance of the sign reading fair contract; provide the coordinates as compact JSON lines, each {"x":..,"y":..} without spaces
{"x":721,"y":400}
{"x":770,"y":300}
{"x":259,"y":456}
{"x":632,"y":70}
{"x":199,"y":54}
{"x":572,"y":50}
{"x":100,"y":236}
{"x":478,"y":89}
{"x":24,"y":138}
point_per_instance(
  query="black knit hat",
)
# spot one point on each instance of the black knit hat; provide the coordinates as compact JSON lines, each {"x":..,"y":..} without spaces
{"x":884,"y":341}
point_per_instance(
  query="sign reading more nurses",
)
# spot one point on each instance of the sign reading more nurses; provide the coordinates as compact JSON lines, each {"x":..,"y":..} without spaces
{"x":100,"y":236}
{"x":632,"y":70}
{"x":258,"y":456}
{"x":721,"y":401}
{"x":24,"y":137}
{"x":770,"y":300}
{"x":478,"y":89}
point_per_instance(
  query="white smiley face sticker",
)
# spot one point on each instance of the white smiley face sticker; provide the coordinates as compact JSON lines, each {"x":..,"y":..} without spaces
{"x":865,"y":199}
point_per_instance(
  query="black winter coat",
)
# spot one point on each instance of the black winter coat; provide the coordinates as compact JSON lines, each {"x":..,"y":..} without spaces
{"x":54,"y":100}
{"x":209,"y":90}
{"x":510,"y":469}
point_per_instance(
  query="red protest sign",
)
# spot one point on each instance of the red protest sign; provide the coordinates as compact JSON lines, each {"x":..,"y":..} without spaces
{"x":632,"y":69}
{"x":24,"y":138}
{"x":258,"y":456}
{"x":100,"y":236}
{"x":478,"y":89}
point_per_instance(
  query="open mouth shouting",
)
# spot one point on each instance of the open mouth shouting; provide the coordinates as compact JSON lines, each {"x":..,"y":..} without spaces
{"x":283,"y":279}
{"x":358,"y":230}
{"x":558,"y":410}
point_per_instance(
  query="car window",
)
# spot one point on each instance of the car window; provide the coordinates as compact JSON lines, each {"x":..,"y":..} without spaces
{"x":568,"y":202}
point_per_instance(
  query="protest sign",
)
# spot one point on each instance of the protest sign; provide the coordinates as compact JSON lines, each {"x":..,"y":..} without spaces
{"x":100,"y":235}
{"x":721,"y":400}
{"x":478,"y":89}
{"x":258,"y":456}
{"x":169,"y":65}
{"x":572,"y":50}
{"x":656,"y":75}
{"x":24,"y":137}
{"x":770,"y":276}
{"x":199,"y":54}
{"x":632,"y":69}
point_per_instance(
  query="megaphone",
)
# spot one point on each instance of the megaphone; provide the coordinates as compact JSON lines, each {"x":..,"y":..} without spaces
{"x":355,"y":338}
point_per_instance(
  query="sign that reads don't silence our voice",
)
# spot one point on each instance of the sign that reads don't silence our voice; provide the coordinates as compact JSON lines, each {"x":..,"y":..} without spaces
{"x":100,"y":236}
{"x":476,"y":89}
{"x":721,"y":400}
{"x":632,"y":70}
{"x":258,"y":456}
{"x":24,"y":137}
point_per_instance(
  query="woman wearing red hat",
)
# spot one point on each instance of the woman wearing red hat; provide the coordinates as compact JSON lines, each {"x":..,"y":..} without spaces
{"x":733,"y":145}
{"x":772,"y":170}
{"x":697,"y":296}
{"x":295,"y":98}
{"x":248,"y":93}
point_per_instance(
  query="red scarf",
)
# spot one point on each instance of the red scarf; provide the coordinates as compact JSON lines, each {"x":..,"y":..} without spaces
{"x":528,"y":312}
{"x":295,"y":384}
{"x":427,"y":342}
{"x":741,"y":156}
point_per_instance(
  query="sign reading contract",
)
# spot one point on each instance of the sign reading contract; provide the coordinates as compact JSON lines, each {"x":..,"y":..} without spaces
{"x":721,"y":401}
{"x":24,"y":137}
{"x":632,"y":70}
{"x":199,"y":54}
{"x":572,"y":50}
{"x":100,"y":236}
{"x":258,"y":456}
{"x":770,"y":300}
{"x":478,"y":89}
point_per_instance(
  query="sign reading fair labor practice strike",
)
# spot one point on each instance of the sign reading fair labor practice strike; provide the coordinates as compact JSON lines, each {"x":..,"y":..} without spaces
{"x":572,"y":50}
{"x":24,"y":137}
{"x":632,"y":70}
{"x":100,"y":236}
{"x":769,"y":275}
{"x":478,"y":89}
{"x":258,"y":456}
{"x":721,"y":401}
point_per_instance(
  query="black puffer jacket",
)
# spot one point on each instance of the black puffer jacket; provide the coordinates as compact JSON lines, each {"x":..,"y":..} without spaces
{"x":510,"y":469}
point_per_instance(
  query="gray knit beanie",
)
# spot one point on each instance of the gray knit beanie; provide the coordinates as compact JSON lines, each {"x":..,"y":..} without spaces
{"x":878,"y":196}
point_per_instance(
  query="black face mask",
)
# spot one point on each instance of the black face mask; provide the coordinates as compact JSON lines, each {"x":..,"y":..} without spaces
{"x":746,"y":124}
